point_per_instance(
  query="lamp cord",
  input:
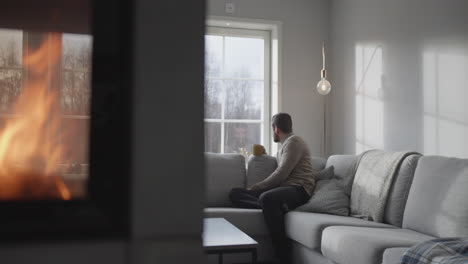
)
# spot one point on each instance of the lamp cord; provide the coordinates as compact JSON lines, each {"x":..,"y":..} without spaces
{"x":324,"y":144}
{"x":323,"y":55}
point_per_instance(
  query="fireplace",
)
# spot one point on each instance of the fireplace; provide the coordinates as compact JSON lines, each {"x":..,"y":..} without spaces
{"x":65,"y":77}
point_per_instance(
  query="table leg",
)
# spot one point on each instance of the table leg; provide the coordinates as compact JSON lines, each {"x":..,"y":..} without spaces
{"x":220,"y":258}
{"x":254,"y":256}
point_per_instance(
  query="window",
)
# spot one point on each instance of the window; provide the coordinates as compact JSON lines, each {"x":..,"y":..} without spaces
{"x":11,"y":71}
{"x":75,"y":100}
{"x":76,"y":75}
{"x":237,"y":89}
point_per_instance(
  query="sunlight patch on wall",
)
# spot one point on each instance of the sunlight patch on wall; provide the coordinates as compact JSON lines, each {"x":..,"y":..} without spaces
{"x":369,"y":105}
{"x":445,"y":88}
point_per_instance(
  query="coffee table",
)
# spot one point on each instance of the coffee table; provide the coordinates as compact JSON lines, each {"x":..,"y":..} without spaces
{"x":221,"y":237}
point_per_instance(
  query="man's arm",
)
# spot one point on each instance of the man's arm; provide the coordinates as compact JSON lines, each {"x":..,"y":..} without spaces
{"x":292,"y":153}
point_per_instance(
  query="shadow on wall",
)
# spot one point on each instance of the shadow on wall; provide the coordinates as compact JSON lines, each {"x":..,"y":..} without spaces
{"x":369,"y":104}
{"x":445,"y":88}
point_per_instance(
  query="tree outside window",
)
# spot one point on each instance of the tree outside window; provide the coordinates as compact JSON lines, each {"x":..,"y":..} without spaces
{"x":236,"y":85}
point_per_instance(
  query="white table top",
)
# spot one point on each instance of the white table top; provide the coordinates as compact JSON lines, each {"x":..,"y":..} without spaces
{"x":218,"y":233}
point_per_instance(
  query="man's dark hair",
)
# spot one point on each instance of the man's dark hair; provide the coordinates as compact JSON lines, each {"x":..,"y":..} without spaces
{"x":282,"y":121}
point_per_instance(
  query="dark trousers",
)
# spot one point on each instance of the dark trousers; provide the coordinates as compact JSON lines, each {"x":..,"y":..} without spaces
{"x":275,"y":203}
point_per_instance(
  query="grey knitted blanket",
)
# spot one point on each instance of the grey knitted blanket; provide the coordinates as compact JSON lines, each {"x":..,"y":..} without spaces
{"x":372,"y":182}
{"x":438,"y":251}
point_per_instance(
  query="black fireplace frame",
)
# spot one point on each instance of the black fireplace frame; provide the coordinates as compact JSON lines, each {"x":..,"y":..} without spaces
{"x":105,"y":212}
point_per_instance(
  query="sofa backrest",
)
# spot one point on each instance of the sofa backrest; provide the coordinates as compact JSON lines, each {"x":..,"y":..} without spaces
{"x":344,"y":169}
{"x":438,"y":200}
{"x":260,"y":167}
{"x":345,"y":166}
{"x":399,"y":190}
{"x":226,"y":171}
{"x":318,"y":163}
{"x":222,"y":173}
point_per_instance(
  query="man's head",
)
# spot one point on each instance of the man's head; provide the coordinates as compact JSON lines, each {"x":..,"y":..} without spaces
{"x":282,"y":126}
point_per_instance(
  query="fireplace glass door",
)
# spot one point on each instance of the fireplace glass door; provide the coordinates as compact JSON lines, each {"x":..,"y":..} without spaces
{"x":65,"y":119}
{"x":45,"y":95}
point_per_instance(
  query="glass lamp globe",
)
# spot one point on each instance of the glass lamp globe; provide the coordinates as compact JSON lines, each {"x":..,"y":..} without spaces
{"x":323,"y":87}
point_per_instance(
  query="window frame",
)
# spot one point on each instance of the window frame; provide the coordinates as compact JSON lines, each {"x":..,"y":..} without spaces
{"x":64,"y":70}
{"x":264,"y":122}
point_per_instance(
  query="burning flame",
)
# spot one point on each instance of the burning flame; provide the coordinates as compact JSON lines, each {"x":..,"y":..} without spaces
{"x":30,"y":147}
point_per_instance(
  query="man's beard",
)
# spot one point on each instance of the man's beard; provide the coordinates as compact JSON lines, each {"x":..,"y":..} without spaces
{"x":275,"y":138}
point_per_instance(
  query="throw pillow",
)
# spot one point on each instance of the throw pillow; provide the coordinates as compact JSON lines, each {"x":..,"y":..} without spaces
{"x":329,"y":196}
{"x":325,"y":174}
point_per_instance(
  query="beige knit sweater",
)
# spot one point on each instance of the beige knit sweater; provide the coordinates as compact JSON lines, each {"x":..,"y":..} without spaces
{"x":294,"y":167}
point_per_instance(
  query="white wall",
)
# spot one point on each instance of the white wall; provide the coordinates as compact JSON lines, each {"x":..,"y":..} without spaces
{"x":416,"y":85}
{"x":304,"y":27}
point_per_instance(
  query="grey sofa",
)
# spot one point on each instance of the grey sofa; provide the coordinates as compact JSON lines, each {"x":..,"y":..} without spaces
{"x":428,"y":199}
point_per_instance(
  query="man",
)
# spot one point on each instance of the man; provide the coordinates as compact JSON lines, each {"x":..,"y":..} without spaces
{"x":288,"y":187}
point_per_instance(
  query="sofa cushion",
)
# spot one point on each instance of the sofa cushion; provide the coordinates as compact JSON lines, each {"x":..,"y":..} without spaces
{"x":222,"y":173}
{"x":393,"y":255}
{"x":399,"y":191}
{"x":326,"y":174}
{"x":260,"y":167}
{"x":306,"y":228}
{"x":329,"y":196}
{"x":438,"y":198}
{"x":250,"y":221}
{"x":344,"y":169}
{"x":365,"y":245}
